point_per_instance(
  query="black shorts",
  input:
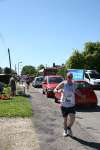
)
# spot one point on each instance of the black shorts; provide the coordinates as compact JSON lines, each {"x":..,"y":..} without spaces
{"x":65,"y":111}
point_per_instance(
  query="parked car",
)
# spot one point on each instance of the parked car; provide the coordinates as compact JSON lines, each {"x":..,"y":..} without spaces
{"x":37,"y":82}
{"x":50,"y":82}
{"x":86,"y":89}
{"x":93,"y":78}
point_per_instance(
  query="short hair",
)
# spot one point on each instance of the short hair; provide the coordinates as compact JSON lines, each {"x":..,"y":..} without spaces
{"x":69,"y":74}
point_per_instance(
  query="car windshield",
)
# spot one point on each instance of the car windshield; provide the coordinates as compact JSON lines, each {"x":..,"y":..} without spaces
{"x":95,"y":75}
{"x":39,"y":79}
{"x":81,"y":85}
{"x":55,"y":79}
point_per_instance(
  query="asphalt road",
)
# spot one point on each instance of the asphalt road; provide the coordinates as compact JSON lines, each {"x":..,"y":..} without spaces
{"x":48,"y":123}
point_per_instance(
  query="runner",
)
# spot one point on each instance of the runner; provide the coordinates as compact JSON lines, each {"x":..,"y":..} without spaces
{"x":68,"y":102}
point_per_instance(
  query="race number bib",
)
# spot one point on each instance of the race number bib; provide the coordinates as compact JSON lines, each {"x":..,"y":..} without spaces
{"x":68,"y":98}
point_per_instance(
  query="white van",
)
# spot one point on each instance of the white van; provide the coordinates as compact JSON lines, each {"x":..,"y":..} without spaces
{"x":92,"y":77}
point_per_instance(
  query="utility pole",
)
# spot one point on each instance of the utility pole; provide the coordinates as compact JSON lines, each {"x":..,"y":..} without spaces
{"x":9,"y":58}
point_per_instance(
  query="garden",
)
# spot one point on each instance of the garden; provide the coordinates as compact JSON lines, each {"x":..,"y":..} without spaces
{"x":17,"y":106}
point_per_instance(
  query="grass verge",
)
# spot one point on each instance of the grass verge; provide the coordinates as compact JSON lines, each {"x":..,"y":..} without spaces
{"x":16,"y":107}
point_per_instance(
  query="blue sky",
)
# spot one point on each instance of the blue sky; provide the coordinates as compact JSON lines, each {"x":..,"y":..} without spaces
{"x":46,"y":31}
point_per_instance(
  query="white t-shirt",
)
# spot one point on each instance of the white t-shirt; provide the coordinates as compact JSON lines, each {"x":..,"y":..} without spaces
{"x":68,"y":94}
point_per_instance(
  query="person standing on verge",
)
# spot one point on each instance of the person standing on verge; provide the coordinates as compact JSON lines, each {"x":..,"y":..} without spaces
{"x":12,"y":84}
{"x":68,"y":89}
{"x":28,"y":83}
{"x":1,"y":88}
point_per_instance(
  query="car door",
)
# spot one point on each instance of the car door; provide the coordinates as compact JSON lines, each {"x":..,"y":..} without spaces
{"x":87,"y":78}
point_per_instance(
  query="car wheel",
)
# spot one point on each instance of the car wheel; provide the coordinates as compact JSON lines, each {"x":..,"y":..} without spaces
{"x":47,"y":94}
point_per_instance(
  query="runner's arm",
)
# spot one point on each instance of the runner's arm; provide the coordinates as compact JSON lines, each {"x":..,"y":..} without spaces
{"x":59,"y":86}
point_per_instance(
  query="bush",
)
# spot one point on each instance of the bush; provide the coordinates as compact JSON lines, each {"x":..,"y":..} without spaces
{"x":5,"y":78}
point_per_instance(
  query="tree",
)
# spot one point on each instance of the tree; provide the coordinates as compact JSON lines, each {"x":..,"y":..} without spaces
{"x":92,"y":55}
{"x":7,"y":70}
{"x":41,"y":66}
{"x":76,"y":60}
{"x":91,"y":48}
{"x":1,"y":70}
{"x":62,"y":71}
{"x":28,"y":70}
{"x":88,"y":59}
{"x":89,"y":62}
{"x":96,"y":61}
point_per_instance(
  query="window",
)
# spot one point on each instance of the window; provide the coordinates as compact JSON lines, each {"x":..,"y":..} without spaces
{"x":55,"y":80}
{"x":81,"y":85}
{"x":86,"y":76}
{"x":39,"y":79}
{"x":94,"y":75}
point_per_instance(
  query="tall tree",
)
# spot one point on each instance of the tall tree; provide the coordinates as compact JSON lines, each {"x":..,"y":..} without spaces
{"x":91,"y":48}
{"x":30,"y":70}
{"x":1,"y":70}
{"x":89,"y":61}
{"x":7,"y":70}
{"x":92,"y":55}
{"x":76,"y":60}
{"x":41,"y":66}
{"x":62,"y":71}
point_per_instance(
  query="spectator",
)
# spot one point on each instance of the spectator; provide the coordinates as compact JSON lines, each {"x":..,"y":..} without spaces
{"x":12,"y":84}
{"x":28,"y":82}
{"x":1,"y":88}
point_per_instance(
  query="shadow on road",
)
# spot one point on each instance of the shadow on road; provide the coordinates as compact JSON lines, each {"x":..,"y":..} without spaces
{"x":88,"y":109}
{"x":86,"y":143}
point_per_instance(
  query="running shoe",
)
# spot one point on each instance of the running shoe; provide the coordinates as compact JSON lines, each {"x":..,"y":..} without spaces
{"x":69,"y":132}
{"x":65,"y":133}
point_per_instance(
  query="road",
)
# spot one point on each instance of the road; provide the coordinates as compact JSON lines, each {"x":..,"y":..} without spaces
{"x":48,"y":123}
{"x":89,"y":119}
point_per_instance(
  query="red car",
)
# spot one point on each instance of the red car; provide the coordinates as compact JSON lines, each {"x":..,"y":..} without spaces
{"x":50,"y":82}
{"x":87,"y":90}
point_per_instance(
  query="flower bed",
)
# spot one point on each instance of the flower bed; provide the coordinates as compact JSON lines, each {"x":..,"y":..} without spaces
{"x":4,"y":97}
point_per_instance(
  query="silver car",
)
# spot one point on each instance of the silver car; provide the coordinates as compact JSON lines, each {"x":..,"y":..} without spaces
{"x":37,"y":82}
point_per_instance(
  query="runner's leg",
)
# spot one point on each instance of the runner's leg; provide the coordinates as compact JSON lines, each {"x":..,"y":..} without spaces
{"x":71,"y":119}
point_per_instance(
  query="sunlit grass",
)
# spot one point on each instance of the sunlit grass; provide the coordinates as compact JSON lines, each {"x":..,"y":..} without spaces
{"x":16,"y":107}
